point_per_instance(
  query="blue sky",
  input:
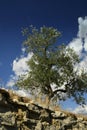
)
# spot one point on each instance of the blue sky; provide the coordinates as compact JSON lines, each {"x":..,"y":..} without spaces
{"x":65,"y":15}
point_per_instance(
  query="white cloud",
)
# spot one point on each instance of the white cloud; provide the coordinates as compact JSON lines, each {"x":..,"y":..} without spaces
{"x":23,"y":50}
{"x":11,"y":82}
{"x":82,"y":33}
{"x":19,"y":67}
{"x":83,"y":63}
{"x":80,"y":110}
{"x":81,"y":39}
{"x":79,"y":43}
{"x":85,"y":43}
{"x":76,"y":44}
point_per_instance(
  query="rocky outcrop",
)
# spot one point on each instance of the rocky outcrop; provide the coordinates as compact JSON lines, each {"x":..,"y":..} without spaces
{"x":19,"y":113}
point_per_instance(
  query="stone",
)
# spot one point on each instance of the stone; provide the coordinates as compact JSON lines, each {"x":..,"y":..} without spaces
{"x":39,"y":126}
{"x":45,"y":116}
{"x":7,"y":119}
{"x":52,"y":127}
{"x":21,"y":113}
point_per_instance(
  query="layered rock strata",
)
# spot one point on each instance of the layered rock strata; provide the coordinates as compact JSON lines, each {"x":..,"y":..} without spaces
{"x":19,"y":113}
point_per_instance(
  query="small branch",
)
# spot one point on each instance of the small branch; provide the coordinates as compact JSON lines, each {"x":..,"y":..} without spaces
{"x":59,"y":90}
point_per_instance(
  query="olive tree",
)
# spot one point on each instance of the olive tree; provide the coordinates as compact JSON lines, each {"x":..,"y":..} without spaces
{"x":52,"y":66}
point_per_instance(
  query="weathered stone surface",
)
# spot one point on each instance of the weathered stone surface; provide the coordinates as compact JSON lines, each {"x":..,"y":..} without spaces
{"x":19,"y":113}
{"x":38,"y":126}
{"x":8,"y":118}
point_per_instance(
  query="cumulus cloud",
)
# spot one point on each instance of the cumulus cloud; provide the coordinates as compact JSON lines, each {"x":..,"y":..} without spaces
{"x":23,"y":50}
{"x":82,"y":64}
{"x":85,"y":43}
{"x":80,"y":110}
{"x":19,"y":67}
{"x":79,"y":43}
{"x":11,"y":81}
{"x":82,"y":33}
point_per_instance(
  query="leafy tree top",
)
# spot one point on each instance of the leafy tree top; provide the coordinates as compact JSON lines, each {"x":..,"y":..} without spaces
{"x":52,"y":64}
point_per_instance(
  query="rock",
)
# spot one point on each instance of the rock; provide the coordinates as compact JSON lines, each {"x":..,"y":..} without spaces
{"x":21,"y":113}
{"x":59,"y":115}
{"x":45,"y":116}
{"x":46,"y":126}
{"x":52,"y":127}
{"x":38,"y":126}
{"x":8,"y":119}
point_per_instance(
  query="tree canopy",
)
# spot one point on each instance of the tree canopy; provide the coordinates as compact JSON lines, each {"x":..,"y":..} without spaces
{"x":52,"y":66}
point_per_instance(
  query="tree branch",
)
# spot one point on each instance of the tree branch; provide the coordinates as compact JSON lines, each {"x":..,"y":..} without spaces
{"x":59,"y":90}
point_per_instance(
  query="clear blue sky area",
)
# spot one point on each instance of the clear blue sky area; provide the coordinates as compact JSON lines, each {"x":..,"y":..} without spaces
{"x":15,"y":14}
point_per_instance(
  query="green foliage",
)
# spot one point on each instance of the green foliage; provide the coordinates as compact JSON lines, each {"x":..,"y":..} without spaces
{"x":52,"y":64}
